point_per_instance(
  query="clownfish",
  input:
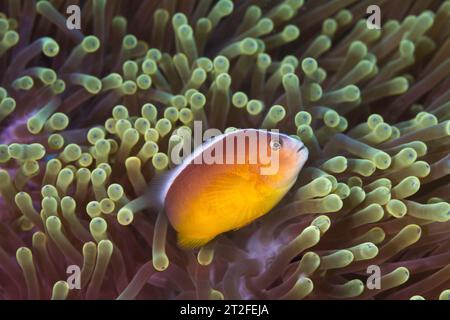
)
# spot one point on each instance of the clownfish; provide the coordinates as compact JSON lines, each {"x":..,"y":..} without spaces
{"x":228,"y":182}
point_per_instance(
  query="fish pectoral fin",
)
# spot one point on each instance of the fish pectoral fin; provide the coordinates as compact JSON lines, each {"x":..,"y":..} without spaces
{"x":187,"y":242}
{"x":228,"y":189}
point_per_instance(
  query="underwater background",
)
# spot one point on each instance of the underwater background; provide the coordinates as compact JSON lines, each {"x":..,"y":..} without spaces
{"x":88,"y":118}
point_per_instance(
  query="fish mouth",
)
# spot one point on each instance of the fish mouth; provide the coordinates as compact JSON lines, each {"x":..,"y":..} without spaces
{"x":301,"y":148}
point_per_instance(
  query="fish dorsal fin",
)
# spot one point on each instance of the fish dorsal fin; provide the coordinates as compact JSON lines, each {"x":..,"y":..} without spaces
{"x":159,"y":185}
{"x":163,"y":181}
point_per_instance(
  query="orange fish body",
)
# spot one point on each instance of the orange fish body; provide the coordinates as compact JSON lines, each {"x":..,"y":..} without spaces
{"x":204,"y":200}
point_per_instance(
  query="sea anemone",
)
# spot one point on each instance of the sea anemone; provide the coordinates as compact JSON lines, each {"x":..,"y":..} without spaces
{"x":88,"y":117}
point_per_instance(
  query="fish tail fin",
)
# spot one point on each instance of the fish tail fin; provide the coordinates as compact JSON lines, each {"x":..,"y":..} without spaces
{"x":187,"y":242}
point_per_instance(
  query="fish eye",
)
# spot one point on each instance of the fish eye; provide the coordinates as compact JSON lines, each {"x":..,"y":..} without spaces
{"x":275,"y":145}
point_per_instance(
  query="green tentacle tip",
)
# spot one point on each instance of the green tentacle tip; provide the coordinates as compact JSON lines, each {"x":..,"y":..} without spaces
{"x":290,"y":81}
{"x":254,"y":107}
{"x":24,"y":257}
{"x":224,"y":7}
{"x":90,"y":44}
{"x":439,"y":211}
{"x":380,"y":195}
{"x":310,"y":236}
{"x":319,"y":187}
{"x":149,"y":112}
{"x":4,"y":155}
{"x":10,"y":38}
{"x":331,"y":118}
{"x":142,"y":125}
{"x":71,"y":152}
{"x":290,"y":33}
{"x":149,"y":66}
{"x":336,"y":260}
{"x":107,"y":206}
{"x":351,"y":93}
{"x":59,"y":86}
{"x":160,"y":262}
{"x":172,"y":114}
{"x":93,"y":209}
{"x":129,"y":41}
{"x":16,"y":151}
{"x":129,"y":87}
{"x":216,"y":295}
{"x":398,"y":85}
{"x":223,"y":81}
{"x":361,"y":166}
{"x":197,"y":101}
{"x":302,"y":118}
{"x":98,"y":226}
{"x":382,"y":160}
{"x":358,"y":48}
{"x":221,"y":64}
{"x":205,"y":256}
{"x":95,"y":134}
{"x":154,"y":54}
{"x":264,"y":26}
{"x":178,"y":101}
{"x":151,"y":135}
{"x":185,"y":32}
{"x":58,"y":121}
{"x":277,"y":113}
{"x":68,"y":204}
{"x":335,"y":165}
{"x":382,"y":131}
{"x":49,"y":191}
{"x":50,"y":47}
{"x":148,"y":150}
{"x":332,"y":203}
{"x":329,"y":27}
{"x":186,"y":116}
{"x":239,"y":99}
{"x":60,"y":290}
{"x":179,"y":19}
{"x":53,"y":224}
{"x":105,"y":247}
{"x":92,"y":84}
{"x":323,"y":223}
{"x":309,"y":65}
{"x":23,"y":83}
{"x":396,"y":208}
{"x":404,"y":158}
{"x":305,"y":132}
{"x":98,"y":176}
{"x":445,"y":295}
{"x":417,"y":297}
{"x":263,"y":61}
{"x":406,"y":188}
{"x":160,"y":161}
{"x":342,"y":190}
{"x":205,"y":63}
{"x":115,"y":191}
{"x":199,"y":76}
{"x":406,"y":48}
{"x":364,"y":251}
{"x":164,"y":126}
{"x":47,"y":76}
